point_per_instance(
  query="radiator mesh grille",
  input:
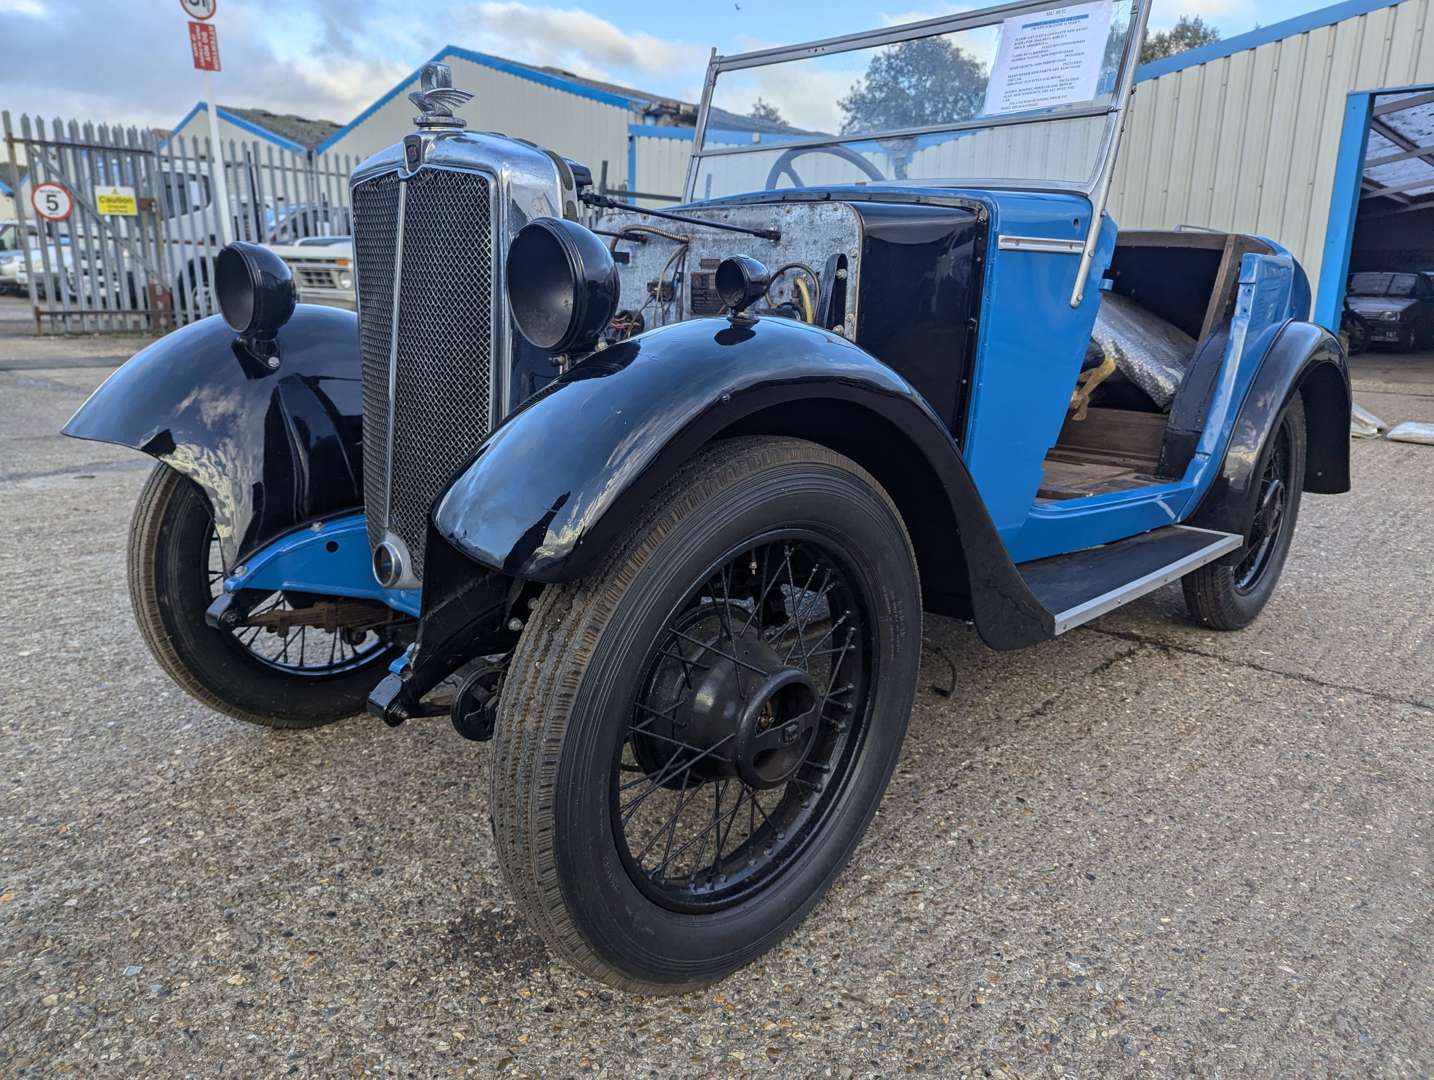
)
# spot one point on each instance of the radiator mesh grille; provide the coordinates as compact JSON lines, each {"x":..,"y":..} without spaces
{"x":443,"y":375}
{"x":375,"y":210}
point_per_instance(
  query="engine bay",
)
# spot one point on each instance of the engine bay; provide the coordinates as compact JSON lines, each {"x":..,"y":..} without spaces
{"x":668,"y":268}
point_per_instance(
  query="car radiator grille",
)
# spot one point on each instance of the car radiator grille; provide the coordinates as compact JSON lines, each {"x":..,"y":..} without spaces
{"x":443,"y":350}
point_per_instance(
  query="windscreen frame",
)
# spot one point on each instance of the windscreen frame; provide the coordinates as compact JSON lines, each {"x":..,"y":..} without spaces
{"x":1095,"y":186}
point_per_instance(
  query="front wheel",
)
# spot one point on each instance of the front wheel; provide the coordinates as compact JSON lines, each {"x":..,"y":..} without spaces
{"x":289,"y":664}
{"x":1229,"y":595}
{"x":691,"y":741}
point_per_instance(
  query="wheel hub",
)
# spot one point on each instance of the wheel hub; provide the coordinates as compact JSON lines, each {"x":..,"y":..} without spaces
{"x":777,"y":729}
{"x":734,"y":708}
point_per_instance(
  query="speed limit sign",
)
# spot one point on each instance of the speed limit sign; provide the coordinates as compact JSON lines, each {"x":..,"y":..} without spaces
{"x":199,"y":9}
{"x":52,"y":201}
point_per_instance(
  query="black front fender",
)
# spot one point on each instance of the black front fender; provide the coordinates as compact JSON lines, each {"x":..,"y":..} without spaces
{"x":272,"y":449}
{"x":1304,"y":359}
{"x":554,"y":486}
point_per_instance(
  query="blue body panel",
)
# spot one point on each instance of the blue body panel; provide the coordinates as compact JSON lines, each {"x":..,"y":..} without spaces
{"x":1031,"y":347}
{"x":1030,"y":353}
{"x":329,"y":558}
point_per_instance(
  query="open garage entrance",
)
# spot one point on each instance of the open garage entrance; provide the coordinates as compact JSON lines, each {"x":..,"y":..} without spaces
{"x":1378,"y":280}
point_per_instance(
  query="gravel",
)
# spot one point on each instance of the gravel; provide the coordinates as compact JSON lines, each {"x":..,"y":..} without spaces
{"x":1143,"y":849}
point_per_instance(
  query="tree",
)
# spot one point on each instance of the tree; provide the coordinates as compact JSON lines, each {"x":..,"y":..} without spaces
{"x":765,"y":110}
{"x":916,"y":83}
{"x":1189,"y":32}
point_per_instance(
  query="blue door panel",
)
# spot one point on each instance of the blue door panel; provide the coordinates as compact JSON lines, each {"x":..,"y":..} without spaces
{"x":1032,"y":344}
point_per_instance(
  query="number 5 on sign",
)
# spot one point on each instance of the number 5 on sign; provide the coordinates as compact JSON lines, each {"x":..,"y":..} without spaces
{"x":52,"y":201}
{"x":199,"y":9}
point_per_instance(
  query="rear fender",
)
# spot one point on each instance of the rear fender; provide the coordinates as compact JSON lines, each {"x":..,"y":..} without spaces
{"x":1304,"y":359}
{"x":271,"y":449}
{"x":556,"y":484}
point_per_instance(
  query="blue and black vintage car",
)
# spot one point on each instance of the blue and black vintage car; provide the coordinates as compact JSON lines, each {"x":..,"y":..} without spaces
{"x":655,"y":500}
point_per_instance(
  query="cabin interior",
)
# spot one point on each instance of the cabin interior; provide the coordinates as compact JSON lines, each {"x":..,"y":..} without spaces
{"x":1139,"y":404}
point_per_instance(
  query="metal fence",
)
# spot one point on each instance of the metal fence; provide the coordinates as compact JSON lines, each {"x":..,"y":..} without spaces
{"x":110,"y":264}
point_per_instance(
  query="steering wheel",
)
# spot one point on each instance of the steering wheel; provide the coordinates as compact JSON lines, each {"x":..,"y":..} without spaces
{"x":783,"y":164}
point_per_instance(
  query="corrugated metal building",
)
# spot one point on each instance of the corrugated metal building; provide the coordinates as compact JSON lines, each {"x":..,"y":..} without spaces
{"x":583,"y":119}
{"x":1266,"y":132}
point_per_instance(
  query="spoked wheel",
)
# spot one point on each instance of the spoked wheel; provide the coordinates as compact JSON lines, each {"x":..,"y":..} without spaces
{"x":293,"y":661}
{"x":278,"y":632}
{"x":1229,"y":595}
{"x":750,"y":718}
{"x":691,"y":741}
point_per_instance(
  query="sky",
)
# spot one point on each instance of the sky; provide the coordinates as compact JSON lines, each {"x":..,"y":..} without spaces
{"x":128,"y":62}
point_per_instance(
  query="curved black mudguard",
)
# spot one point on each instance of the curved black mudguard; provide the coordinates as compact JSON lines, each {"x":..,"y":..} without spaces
{"x":1304,"y":359}
{"x":558,"y":481}
{"x":272,"y":449}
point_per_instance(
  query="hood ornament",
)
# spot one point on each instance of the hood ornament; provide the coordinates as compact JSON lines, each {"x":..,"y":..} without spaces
{"x":437,"y":100}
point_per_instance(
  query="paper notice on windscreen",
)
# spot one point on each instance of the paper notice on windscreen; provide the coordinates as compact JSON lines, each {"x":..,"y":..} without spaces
{"x":1049,"y":58}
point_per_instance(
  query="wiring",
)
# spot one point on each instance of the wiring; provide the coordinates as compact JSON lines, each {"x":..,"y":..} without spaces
{"x":807,"y":305}
{"x":680,"y":252}
{"x":626,"y":230}
{"x":804,"y":268}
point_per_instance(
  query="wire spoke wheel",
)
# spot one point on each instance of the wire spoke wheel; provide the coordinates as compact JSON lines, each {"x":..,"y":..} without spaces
{"x":295,"y":660}
{"x":692,"y":739}
{"x":1269,"y":514}
{"x":751,"y":712}
{"x":1230,"y":594}
{"x":306,"y":651}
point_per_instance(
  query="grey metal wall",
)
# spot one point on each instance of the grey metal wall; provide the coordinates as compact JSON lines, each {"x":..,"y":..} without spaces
{"x":583,"y":129}
{"x":1248,"y":142}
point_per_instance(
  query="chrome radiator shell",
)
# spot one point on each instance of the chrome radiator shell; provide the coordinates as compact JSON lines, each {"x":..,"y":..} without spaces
{"x":433,"y":217}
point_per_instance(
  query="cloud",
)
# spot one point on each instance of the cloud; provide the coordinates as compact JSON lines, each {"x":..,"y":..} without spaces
{"x":325,"y":59}
{"x":575,"y":40}
{"x":288,"y":57}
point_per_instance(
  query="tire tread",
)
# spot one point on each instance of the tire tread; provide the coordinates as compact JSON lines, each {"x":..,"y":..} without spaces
{"x":550,"y":661}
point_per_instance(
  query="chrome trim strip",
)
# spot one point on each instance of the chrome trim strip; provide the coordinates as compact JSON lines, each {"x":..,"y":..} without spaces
{"x":1041,"y":244}
{"x":1114,"y":132}
{"x":500,"y":358}
{"x":393,"y":350}
{"x":1221,"y":545}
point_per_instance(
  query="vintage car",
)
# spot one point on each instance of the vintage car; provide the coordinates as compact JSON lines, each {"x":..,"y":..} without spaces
{"x":1392,"y":309}
{"x":656,"y":500}
{"x":323,"y":269}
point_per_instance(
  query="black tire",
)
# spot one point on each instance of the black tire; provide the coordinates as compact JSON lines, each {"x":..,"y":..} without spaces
{"x":1229,"y":594}
{"x":170,"y":589}
{"x":566,"y":729}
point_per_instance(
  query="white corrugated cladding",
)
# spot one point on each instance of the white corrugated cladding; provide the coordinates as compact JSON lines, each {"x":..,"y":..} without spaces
{"x":577,"y":126}
{"x":1248,"y":142}
{"x":659,"y":160}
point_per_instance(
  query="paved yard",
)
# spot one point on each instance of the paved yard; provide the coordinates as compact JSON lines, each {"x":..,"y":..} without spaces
{"x":1141,"y":850}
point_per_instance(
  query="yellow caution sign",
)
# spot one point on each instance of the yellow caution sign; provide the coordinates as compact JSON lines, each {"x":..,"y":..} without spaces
{"x":116,"y":200}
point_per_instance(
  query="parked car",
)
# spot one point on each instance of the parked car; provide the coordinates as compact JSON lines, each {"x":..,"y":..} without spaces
{"x":13,"y":278}
{"x":658,"y":510}
{"x":1397,"y":308}
{"x":323,"y":269}
{"x":12,"y":256}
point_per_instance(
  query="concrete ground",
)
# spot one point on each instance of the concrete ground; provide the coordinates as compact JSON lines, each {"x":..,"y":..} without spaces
{"x":1143,"y":849}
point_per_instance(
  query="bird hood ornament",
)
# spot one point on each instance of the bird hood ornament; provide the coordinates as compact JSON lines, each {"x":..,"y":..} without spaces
{"x":437,"y":100}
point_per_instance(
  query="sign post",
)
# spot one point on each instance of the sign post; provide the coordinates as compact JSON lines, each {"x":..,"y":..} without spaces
{"x":204,"y":47}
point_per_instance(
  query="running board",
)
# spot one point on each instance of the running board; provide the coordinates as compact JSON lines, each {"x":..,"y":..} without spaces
{"x":1082,"y":585}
